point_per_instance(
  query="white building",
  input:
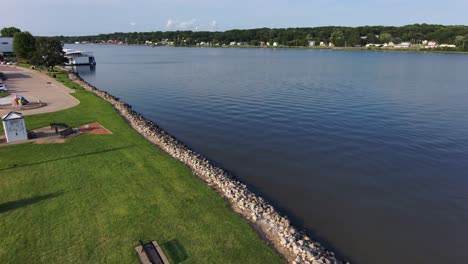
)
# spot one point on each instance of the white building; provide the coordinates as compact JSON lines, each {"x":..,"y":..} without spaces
{"x":447,"y":46}
{"x":14,"y":127}
{"x":6,"y":45}
{"x":275,"y":44}
{"x":431,"y":45}
{"x":322,"y":44}
{"x":311,"y":43}
{"x":403,"y":45}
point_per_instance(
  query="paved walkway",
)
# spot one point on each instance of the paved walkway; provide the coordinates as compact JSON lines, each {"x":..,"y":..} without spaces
{"x":35,"y":86}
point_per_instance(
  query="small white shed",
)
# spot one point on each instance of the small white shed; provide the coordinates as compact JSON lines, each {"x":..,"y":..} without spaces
{"x":14,"y":127}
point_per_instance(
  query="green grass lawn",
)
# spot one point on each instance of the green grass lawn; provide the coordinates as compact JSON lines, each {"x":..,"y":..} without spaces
{"x":92,"y":198}
{"x":3,"y":94}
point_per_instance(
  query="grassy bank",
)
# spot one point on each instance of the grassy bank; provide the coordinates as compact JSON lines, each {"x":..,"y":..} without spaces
{"x":92,"y":198}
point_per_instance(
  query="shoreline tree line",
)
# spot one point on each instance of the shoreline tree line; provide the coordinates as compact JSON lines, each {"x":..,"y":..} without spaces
{"x":294,"y":37}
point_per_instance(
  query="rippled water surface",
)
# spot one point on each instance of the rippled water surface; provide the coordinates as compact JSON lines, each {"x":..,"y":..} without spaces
{"x":366,"y":150}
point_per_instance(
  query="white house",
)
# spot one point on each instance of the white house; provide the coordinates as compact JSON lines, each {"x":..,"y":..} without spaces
{"x":322,"y":44}
{"x":432,"y":44}
{"x":403,"y":45}
{"x":311,"y":43}
{"x":447,"y":46}
{"x":14,"y":127}
{"x":275,"y":44}
{"x":6,"y":45}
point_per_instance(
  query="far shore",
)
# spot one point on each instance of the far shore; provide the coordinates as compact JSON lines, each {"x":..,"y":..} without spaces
{"x":374,"y":49}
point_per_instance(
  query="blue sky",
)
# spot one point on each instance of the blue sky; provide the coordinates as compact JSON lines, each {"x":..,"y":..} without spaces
{"x":82,"y":17}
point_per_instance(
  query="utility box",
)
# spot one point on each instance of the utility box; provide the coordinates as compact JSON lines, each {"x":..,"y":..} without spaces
{"x":14,"y":127}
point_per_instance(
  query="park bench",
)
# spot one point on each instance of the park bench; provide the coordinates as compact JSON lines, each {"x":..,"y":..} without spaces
{"x":67,"y":132}
{"x":151,"y":253}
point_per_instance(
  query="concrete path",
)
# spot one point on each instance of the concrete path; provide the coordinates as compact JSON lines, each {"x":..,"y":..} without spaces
{"x":35,"y":86}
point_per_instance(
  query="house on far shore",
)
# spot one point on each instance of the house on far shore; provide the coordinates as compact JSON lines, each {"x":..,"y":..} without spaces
{"x":389,"y":45}
{"x":430,"y":45}
{"x":447,"y":46}
{"x":311,"y":43}
{"x":403,"y":45}
{"x":6,"y":45}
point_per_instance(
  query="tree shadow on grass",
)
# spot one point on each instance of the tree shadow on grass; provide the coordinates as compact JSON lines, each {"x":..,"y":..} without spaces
{"x":14,"y":166}
{"x":174,"y":251}
{"x":9,"y":206}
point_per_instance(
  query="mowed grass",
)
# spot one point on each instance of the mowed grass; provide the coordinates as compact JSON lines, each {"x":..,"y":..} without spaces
{"x":91,"y":199}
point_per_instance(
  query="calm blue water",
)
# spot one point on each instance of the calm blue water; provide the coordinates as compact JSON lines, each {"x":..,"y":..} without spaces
{"x":368,"y":151}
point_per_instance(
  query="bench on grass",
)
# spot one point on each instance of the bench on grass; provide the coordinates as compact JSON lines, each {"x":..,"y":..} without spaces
{"x":151,"y":253}
{"x":67,"y":132}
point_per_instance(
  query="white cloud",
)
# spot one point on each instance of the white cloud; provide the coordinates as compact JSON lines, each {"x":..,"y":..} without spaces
{"x":133,"y":24}
{"x":184,"y":25}
{"x":169,"y":23}
{"x":213,"y":25}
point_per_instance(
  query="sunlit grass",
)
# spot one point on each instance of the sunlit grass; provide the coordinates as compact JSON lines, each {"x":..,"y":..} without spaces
{"x":91,"y":199}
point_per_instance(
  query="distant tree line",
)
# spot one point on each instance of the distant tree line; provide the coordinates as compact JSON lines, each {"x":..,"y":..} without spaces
{"x":294,"y":37}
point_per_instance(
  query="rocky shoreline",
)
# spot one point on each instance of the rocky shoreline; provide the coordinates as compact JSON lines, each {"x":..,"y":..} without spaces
{"x":295,"y":246}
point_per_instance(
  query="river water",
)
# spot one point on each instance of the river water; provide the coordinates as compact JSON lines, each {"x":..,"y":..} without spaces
{"x":368,"y":151}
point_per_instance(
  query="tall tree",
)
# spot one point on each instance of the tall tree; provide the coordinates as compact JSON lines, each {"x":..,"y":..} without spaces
{"x":353,"y":39}
{"x":459,"y":40}
{"x":385,"y":37}
{"x":49,"y":53}
{"x":9,"y":31}
{"x":337,"y":38}
{"x":24,"y":45}
{"x":371,"y":38}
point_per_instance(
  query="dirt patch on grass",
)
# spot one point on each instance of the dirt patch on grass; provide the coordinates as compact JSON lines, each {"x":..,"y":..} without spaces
{"x":94,"y":128}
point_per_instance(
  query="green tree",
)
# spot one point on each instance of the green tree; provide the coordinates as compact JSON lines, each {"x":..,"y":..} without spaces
{"x":371,"y":38}
{"x":459,"y":40}
{"x":254,"y":42}
{"x":9,"y":31}
{"x":385,"y":37}
{"x":354,"y":38}
{"x":49,"y":53}
{"x":337,"y":38}
{"x":24,"y":45}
